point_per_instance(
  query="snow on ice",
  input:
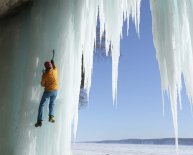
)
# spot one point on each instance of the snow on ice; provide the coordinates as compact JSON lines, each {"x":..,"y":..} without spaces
{"x":128,"y":149}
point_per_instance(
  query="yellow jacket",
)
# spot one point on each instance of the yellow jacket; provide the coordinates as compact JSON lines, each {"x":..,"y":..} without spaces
{"x":50,"y":80}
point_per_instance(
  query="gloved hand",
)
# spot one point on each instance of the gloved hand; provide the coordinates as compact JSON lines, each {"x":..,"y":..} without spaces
{"x":53,"y":65}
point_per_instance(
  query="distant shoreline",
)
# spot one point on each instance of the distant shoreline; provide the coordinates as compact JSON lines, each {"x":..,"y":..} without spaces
{"x":161,"y":141}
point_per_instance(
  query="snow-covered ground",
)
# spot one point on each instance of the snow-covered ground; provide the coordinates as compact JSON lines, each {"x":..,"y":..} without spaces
{"x":128,"y":149}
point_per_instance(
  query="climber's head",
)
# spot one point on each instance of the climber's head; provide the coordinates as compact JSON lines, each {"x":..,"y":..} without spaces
{"x":48,"y":65}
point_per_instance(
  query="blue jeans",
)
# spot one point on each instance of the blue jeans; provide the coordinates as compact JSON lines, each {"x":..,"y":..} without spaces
{"x":47,"y":95}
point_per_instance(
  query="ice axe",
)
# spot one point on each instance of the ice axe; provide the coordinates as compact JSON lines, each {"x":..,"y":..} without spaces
{"x":53,"y":51}
{"x":53,"y":54}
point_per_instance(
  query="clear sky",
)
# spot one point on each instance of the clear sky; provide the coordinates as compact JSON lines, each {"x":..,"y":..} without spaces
{"x":139,"y":107}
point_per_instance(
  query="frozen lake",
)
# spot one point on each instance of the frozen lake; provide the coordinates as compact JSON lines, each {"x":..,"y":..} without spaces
{"x":128,"y":149}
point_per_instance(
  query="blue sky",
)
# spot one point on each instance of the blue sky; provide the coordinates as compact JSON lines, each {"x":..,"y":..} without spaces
{"x":139,"y":107}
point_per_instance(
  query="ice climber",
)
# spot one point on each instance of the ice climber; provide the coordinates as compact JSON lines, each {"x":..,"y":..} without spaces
{"x":50,"y":83}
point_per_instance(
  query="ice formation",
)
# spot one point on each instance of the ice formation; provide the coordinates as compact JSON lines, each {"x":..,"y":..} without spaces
{"x":26,"y":41}
{"x":172,"y":25}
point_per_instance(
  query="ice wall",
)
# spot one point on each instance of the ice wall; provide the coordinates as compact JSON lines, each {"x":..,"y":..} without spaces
{"x":172,"y":24}
{"x":26,"y":41}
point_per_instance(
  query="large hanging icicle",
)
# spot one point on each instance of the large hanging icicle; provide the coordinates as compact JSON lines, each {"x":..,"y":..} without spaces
{"x":111,"y":18}
{"x":173,"y":39}
{"x":26,"y":41}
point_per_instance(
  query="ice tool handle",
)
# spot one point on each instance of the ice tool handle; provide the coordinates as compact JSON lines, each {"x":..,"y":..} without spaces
{"x":53,"y":54}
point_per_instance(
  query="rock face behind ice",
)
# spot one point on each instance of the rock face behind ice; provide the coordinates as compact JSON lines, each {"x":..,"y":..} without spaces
{"x":164,"y":141}
{"x":8,"y":7}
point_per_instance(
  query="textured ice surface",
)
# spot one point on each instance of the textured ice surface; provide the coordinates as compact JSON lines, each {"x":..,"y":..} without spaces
{"x":26,"y":41}
{"x":128,"y":149}
{"x":172,"y":25}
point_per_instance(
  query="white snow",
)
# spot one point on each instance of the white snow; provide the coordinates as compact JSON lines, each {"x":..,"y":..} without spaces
{"x":172,"y":25}
{"x":128,"y":149}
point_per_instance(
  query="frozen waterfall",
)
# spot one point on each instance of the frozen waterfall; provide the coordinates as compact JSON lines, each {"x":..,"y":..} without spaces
{"x":172,"y":25}
{"x":26,"y":41}
{"x":69,"y":26}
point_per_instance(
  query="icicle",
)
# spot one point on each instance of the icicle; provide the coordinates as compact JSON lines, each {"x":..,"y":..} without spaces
{"x":172,"y":24}
{"x":111,"y":15}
